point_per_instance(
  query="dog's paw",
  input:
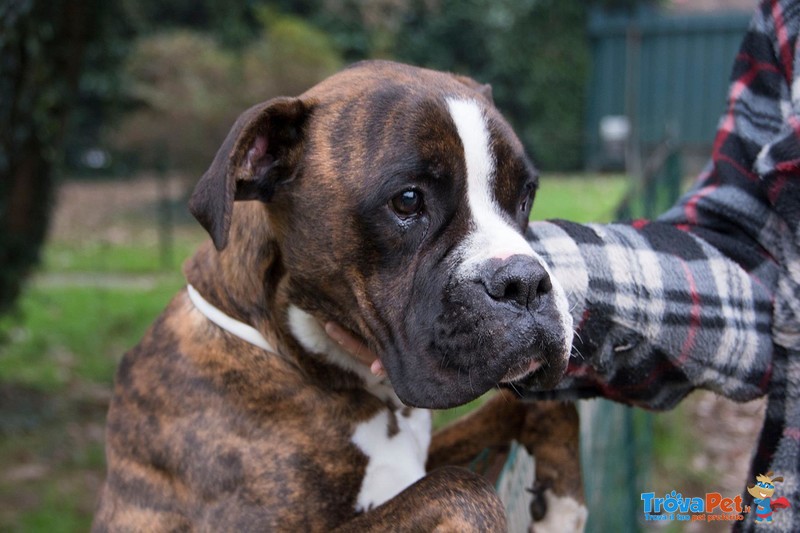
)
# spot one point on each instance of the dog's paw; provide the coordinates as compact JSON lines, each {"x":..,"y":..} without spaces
{"x":557,"y":514}
{"x":538,"y":500}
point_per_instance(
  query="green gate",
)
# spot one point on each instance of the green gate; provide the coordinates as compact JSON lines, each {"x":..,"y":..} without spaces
{"x":668,"y":74}
{"x":616,"y":441}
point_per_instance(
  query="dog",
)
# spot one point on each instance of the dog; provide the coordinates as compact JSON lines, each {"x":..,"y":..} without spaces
{"x":391,"y":200}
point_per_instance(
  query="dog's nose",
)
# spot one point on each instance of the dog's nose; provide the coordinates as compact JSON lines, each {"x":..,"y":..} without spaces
{"x":520,"y":279}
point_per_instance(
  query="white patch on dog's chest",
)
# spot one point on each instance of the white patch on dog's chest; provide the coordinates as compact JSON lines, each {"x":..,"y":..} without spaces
{"x":396,"y":459}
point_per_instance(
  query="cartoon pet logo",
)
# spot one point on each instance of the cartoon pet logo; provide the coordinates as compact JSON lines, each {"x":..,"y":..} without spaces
{"x":762,"y":493}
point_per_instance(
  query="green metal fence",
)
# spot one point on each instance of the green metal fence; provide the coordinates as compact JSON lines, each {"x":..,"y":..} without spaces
{"x":616,"y":441}
{"x":616,"y":444}
{"x":668,"y":74}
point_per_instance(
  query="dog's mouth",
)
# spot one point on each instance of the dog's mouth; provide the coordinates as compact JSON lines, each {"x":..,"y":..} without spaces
{"x":471,"y":350}
{"x":521,"y":370}
{"x":538,"y":374}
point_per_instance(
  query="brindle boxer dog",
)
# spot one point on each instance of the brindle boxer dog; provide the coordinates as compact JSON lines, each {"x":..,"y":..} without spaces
{"x":391,"y":200}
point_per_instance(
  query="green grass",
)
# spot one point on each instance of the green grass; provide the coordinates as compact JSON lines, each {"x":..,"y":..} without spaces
{"x":52,"y":466}
{"x":129,"y":258}
{"x":62,"y":334}
{"x":59,"y":513}
{"x":591,"y":198}
{"x":443,"y":417}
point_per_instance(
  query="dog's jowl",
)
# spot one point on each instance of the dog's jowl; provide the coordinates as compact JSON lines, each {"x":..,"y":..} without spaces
{"x":390,"y":200}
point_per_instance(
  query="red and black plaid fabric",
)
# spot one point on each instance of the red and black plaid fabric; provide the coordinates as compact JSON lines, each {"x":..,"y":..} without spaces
{"x":708,"y":295}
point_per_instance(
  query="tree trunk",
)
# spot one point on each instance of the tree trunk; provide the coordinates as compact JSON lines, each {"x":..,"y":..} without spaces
{"x":42,"y":48}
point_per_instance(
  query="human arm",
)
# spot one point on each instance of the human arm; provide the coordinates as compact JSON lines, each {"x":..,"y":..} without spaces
{"x":658,"y":312}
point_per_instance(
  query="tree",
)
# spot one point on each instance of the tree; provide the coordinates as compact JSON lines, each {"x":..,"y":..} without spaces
{"x":60,"y":72}
{"x":43,"y":47}
{"x":533,"y":52}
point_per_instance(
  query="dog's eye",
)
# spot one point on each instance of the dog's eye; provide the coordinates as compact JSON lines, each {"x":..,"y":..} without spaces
{"x":407,"y":204}
{"x":529,"y":193}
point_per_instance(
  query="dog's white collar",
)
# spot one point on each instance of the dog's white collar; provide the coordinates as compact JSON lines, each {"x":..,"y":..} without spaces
{"x":229,"y":324}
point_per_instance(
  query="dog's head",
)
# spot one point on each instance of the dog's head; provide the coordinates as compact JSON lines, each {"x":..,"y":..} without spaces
{"x":396,"y":199}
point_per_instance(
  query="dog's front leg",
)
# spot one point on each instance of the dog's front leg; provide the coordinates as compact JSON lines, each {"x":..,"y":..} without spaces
{"x":449,"y":499}
{"x":495,"y":423}
{"x":550,"y":432}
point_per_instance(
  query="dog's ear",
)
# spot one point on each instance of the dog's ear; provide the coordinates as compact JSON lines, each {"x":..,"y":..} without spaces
{"x":261,"y":151}
{"x":484,"y":89}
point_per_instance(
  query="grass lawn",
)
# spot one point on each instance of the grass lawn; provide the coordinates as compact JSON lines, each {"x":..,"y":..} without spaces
{"x":582,"y":198}
{"x":102,"y":282}
{"x":67,"y":334}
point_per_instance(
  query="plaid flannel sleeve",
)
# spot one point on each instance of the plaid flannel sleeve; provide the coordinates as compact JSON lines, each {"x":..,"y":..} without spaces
{"x":659,"y":312}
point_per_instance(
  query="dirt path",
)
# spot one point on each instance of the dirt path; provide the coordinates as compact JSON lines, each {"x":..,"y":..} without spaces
{"x":102,"y":210}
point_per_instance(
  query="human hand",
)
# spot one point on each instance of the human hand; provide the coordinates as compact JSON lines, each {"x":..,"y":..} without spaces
{"x":355,"y":347}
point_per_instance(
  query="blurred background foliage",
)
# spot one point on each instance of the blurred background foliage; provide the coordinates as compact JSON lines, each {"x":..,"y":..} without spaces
{"x":114,"y":86}
{"x":187,"y":89}
{"x":533,"y":52}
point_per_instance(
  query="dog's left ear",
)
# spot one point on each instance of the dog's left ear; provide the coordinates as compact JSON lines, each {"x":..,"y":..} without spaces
{"x":261,"y":151}
{"x":484,"y":89}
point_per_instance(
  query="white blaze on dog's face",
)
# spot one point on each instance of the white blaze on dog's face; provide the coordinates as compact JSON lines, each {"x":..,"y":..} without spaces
{"x":397,"y":198}
{"x":494,"y":236}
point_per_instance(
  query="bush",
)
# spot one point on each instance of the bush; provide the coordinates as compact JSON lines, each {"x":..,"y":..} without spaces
{"x":181,"y":82}
{"x":189,"y":89}
{"x":290,"y":57}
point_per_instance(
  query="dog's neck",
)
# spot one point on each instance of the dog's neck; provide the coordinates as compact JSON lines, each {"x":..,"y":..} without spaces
{"x":249,"y":305}
{"x":229,"y":324}
{"x":234,"y":279}
{"x":308,"y":332}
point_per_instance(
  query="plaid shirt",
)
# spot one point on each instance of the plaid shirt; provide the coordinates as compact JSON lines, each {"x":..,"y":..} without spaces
{"x":708,"y":295}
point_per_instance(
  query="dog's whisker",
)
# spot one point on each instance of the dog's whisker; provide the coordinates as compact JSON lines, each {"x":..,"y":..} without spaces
{"x":578,"y":353}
